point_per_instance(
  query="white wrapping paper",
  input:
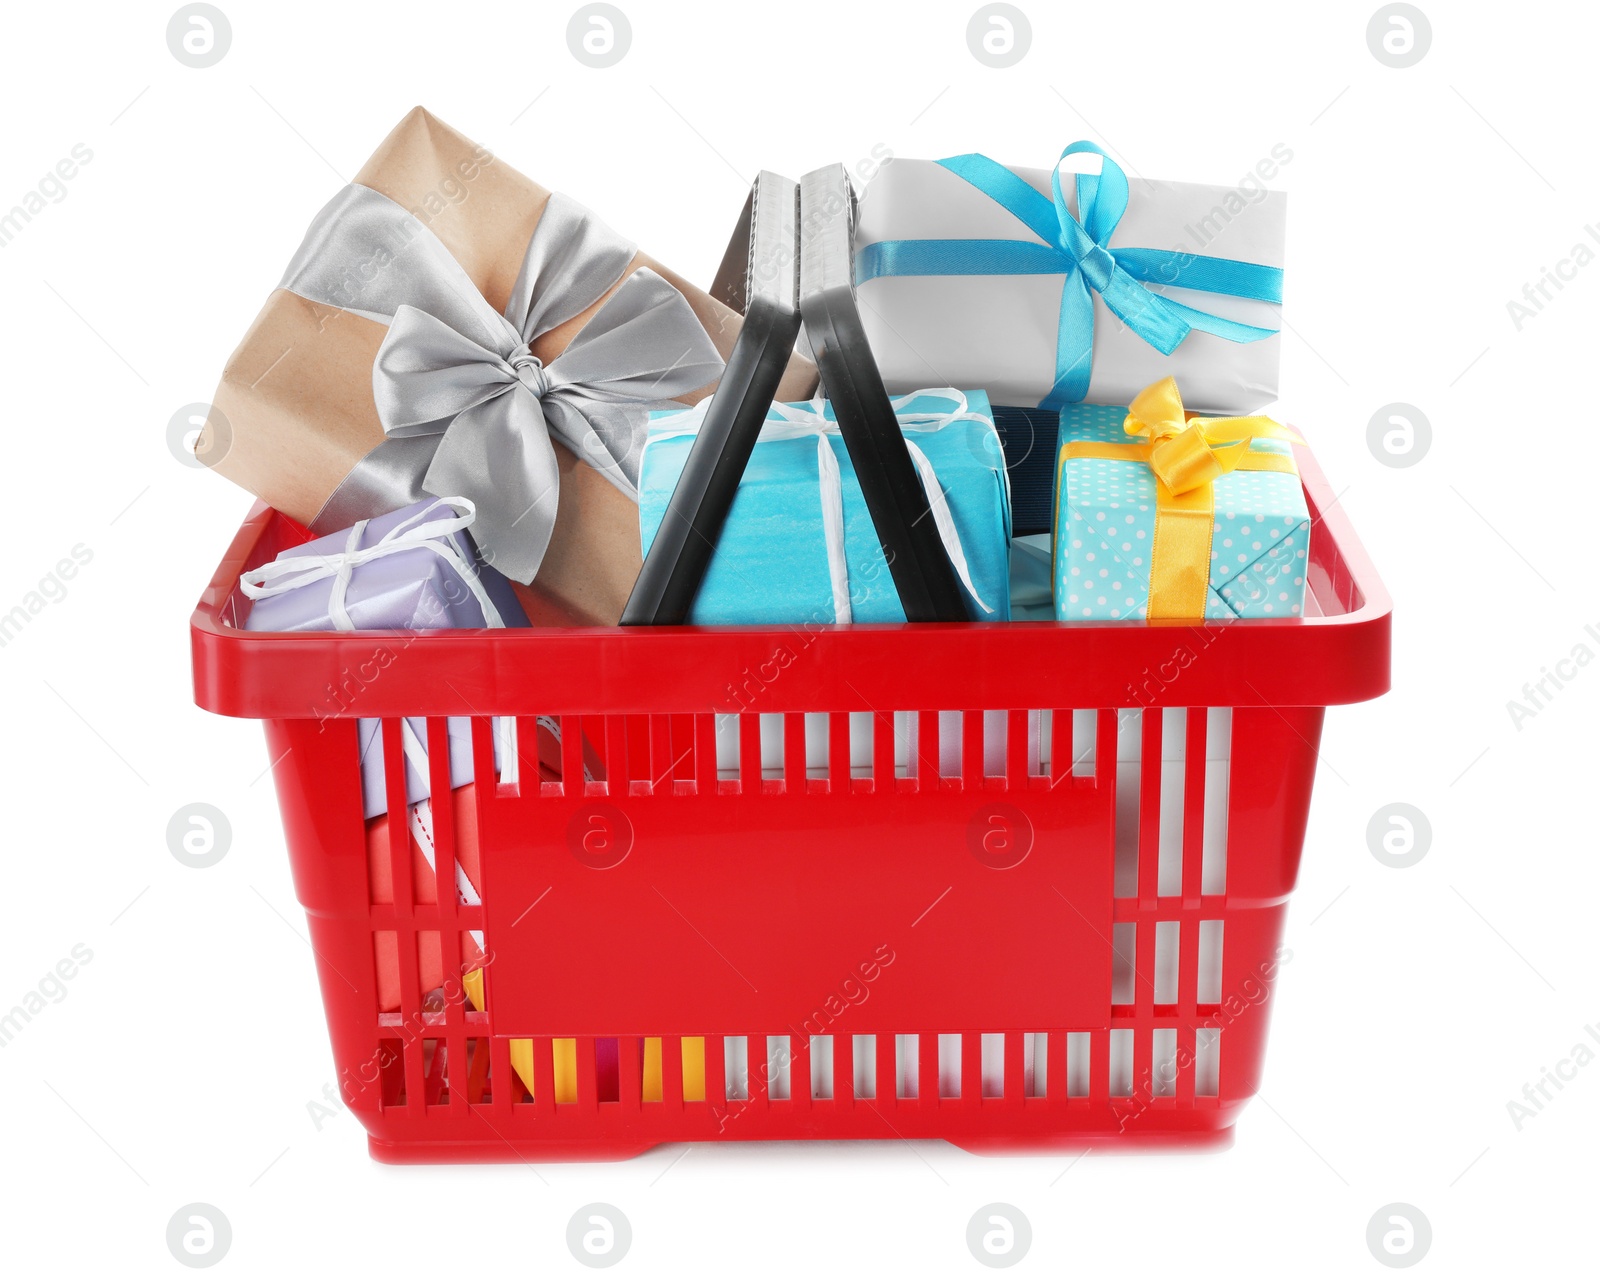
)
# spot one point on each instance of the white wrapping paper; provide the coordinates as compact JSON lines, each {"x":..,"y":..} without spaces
{"x":998,"y":332}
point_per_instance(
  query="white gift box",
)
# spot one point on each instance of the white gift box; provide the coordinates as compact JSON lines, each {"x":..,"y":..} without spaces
{"x":999,"y":332}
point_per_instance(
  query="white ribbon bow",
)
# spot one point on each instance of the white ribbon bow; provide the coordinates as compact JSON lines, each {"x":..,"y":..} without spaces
{"x":286,"y":574}
{"x":809,"y":419}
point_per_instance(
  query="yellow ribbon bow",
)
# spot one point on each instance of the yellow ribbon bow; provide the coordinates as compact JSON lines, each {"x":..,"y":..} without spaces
{"x":1187,"y":453}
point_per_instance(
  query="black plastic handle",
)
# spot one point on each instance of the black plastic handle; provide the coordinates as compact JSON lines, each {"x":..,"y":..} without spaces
{"x":765,"y":290}
{"x":930,"y":590}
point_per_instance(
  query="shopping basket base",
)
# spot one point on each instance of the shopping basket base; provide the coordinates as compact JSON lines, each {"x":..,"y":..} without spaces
{"x":992,"y":1127}
{"x":448,"y":1152}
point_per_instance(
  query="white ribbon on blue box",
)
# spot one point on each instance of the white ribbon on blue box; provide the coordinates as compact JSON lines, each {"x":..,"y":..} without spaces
{"x":799,"y":546}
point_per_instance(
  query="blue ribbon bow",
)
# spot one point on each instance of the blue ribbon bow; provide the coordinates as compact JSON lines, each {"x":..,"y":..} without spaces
{"x":1075,"y":247}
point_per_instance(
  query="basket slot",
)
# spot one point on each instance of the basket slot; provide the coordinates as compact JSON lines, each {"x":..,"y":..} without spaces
{"x":823,"y":1065}
{"x":1150,"y":743}
{"x":1189,"y":971}
{"x":1017,"y":1072}
{"x":799,"y":1071}
{"x":695,"y":1054}
{"x":1163,"y":1063}
{"x":883,"y":757}
{"x":659,"y":729}
{"x":587,"y":1093}
{"x":683,"y":742}
{"x":1196,"y":769}
{"x":925,"y":757}
{"x":736,"y":1067}
{"x":435,"y":1058}
{"x":1143,"y":1067}
{"x":412,"y":1060}
{"x":774,"y":1081}
{"x":1214,"y":836}
{"x":907,"y":1067}
{"x":795,"y":758}
{"x":972,"y":1067}
{"x":1207,"y":1062}
{"x":1130,"y":731}
{"x":947,"y":1056}
{"x":772,"y":748}
{"x":671,"y":1094}
{"x":705,"y":753}
{"x":544,"y":1075}
{"x":631,"y":1072}
{"x":945,"y":759}
{"x":929,"y":1075}
{"x":991,"y":1065}
{"x":616,"y":755}
{"x":564,"y":1056}
{"x":390,"y":1060}
{"x":1169,"y":850}
{"x":447,"y":893}
{"x":974,"y":738}
{"x":478,"y":1086}
{"x":1036,"y":1083}
{"x":716,"y":1090}
{"x":840,"y":760}
{"x":509,"y":1090}
{"x":749,"y":753}
{"x":572,"y":778}
{"x":394,"y":778}
{"x":1164,"y":990}
{"x":1099,"y":1066}
{"x":670,"y":753}
{"x":1075,"y":1066}
{"x":442,"y":816}
{"x":1208,"y":962}
{"x":886,"y":1084}
{"x":863,"y":1059}
{"x":1022,"y":760}
{"x":1084,"y":729}
{"x":1144,"y":984}
{"x":1124,"y":963}
{"x":1118,"y":1064}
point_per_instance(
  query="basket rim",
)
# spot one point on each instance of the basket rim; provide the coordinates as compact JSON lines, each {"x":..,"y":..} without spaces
{"x":1319,"y":660}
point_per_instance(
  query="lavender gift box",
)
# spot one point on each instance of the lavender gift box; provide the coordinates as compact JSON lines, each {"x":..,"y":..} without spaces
{"x":413,"y":569}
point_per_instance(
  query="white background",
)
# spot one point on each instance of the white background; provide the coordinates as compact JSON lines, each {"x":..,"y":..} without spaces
{"x":1419,"y":1001}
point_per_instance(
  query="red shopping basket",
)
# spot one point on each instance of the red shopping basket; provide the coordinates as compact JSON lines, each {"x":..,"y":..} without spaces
{"x":1007,"y":885}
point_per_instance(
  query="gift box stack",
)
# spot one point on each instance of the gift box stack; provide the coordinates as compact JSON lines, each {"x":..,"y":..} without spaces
{"x":479,"y":401}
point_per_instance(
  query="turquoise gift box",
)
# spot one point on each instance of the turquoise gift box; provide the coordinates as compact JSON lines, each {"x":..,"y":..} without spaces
{"x":1105,"y":525}
{"x":799,"y":545}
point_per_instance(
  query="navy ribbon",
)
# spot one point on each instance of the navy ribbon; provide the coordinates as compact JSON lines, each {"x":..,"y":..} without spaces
{"x":1075,"y":247}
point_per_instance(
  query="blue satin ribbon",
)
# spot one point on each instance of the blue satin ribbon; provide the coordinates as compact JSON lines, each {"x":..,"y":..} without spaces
{"x":1076,"y":248}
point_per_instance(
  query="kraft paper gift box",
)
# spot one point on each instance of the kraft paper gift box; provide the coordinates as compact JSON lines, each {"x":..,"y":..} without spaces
{"x":969,"y":272}
{"x":449,"y":327}
{"x":799,"y":547}
{"x":1221,"y":535}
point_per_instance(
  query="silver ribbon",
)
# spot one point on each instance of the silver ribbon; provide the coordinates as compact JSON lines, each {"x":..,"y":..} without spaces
{"x":466,"y":408}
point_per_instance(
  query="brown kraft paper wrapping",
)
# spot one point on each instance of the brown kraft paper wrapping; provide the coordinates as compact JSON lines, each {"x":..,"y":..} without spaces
{"x":296,"y":396}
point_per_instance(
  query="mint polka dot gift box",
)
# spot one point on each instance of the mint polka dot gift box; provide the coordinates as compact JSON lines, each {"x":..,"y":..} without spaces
{"x":1167,"y":516}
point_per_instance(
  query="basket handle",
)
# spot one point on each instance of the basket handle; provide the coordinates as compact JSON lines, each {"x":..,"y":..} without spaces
{"x":759,"y":279}
{"x":929,"y":588}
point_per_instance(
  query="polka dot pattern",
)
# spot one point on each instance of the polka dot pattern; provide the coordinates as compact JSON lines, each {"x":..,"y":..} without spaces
{"x":1105,"y":521}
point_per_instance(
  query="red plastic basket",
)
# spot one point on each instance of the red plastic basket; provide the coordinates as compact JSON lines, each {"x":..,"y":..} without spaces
{"x":1078,"y":946}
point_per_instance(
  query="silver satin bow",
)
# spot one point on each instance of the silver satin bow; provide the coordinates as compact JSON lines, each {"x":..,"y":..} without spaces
{"x":466,"y":409}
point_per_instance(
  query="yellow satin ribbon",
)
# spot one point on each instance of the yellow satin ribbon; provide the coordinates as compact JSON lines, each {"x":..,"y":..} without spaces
{"x":1187,"y":454}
